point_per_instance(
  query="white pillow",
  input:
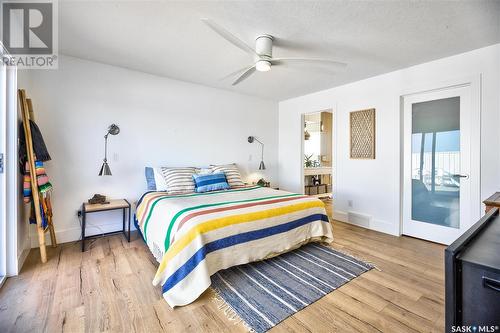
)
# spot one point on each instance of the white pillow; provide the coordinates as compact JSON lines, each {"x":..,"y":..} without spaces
{"x":161,"y":184}
{"x":232,"y":173}
{"x":179,"y":180}
{"x":204,"y":171}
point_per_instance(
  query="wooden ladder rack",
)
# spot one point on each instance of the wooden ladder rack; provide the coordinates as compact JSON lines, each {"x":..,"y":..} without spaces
{"x":27,"y":115}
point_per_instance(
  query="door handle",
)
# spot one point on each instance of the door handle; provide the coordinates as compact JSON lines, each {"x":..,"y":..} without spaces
{"x":460,"y":176}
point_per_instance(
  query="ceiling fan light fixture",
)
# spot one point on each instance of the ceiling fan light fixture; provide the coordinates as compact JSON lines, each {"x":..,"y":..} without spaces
{"x":262,"y":54}
{"x":263,"y":66}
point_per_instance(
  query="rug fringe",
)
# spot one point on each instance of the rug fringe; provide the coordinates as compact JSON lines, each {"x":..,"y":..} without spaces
{"x":229,"y":312}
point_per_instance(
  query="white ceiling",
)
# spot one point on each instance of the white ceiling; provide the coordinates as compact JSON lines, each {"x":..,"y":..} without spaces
{"x":373,"y":37}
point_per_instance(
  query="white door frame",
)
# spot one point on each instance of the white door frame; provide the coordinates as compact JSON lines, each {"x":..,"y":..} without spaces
{"x":10,"y":198}
{"x":474,"y":83}
{"x":334,"y":148}
{"x":14,"y":262}
{"x":3,"y":177}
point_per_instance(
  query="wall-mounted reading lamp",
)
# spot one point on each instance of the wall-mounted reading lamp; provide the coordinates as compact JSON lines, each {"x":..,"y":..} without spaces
{"x":262,"y":166}
{"x":105,"y":170}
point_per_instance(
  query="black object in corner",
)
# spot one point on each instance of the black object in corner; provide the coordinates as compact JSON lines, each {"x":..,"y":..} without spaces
{"x":472,"y":276}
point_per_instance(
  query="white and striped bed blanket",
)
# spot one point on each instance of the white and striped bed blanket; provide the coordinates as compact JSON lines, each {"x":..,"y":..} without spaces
{"x":195,"y":235}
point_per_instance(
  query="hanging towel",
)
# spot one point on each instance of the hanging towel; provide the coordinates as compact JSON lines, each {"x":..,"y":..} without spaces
{"x":32,"y":217}
{"x":42,"y":180}
{"x":39,"y":147}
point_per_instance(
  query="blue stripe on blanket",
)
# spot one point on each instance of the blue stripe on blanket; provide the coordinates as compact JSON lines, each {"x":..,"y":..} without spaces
{"x":222,"y":243}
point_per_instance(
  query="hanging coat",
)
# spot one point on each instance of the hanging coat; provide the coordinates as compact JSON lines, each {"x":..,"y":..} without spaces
{"x":39,"y":147}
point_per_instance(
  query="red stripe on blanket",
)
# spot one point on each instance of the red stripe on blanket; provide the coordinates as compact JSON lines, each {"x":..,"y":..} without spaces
{"x":148,"y":203}
{"x":221,"y":209}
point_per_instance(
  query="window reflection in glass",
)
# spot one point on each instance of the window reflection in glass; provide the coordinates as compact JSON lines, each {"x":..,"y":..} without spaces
{"x":436,"y":161}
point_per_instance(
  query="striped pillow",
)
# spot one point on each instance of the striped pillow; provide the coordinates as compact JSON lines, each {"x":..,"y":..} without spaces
{"x":232,"y":173}
{"x":179,"y":180}
{"x":210,"y":182}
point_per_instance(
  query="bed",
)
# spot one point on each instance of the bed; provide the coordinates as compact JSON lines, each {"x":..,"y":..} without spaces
{"x":194,"y":235}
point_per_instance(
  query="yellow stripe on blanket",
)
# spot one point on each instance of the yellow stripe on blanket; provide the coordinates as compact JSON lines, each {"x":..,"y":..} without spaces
{"x":146,"y":202}
{"x":218,"y":223}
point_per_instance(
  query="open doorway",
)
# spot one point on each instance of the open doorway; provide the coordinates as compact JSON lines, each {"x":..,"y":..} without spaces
{"x":318,"y":154}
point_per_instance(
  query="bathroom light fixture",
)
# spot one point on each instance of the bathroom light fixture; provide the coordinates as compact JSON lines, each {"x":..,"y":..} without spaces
{"x":113,"y":129}
{"x":262,"y":166}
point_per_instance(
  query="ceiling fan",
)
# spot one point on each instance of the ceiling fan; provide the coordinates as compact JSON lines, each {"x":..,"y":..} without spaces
{"x":262,"y":54}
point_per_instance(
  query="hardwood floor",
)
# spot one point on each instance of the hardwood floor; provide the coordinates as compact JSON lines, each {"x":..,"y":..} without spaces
{"x":108,"y":288}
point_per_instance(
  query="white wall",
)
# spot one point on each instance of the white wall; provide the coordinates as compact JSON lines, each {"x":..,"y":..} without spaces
{"x":373,"y":185}
{"x":163,"y":122}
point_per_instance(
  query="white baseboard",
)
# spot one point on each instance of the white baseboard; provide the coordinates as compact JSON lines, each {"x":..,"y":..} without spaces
{"x":340,"y":216}
{"x":74,"y":234}
{"x":372,"y":224}
{"x":22,"y":258}
{"x":22,"y":253}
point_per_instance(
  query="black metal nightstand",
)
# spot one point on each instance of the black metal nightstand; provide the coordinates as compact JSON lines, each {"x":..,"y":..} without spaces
{"x":112,"y":205}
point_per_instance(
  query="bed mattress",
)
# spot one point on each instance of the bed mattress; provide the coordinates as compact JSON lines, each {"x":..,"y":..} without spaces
{"x":195,"y":235}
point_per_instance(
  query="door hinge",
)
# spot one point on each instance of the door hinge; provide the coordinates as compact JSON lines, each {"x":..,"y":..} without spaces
{"x":1,"y":163}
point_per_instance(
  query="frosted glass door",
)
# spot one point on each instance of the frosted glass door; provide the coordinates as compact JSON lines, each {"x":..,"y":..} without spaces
{"x":435,"y":162}
{"x":437,"y":181}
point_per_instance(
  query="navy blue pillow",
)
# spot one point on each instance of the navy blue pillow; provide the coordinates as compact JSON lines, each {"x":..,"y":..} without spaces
{"x":210,"y":182}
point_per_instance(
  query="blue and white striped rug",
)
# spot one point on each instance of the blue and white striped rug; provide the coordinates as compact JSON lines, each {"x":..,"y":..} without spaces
{"x":264,"y":293}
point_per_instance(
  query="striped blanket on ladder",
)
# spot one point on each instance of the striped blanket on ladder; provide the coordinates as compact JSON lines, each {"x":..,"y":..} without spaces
{"x":195,"y":235}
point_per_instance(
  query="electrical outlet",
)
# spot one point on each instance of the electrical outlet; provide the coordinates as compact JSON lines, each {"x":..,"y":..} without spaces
{"x":349,"y":203}
{"x":250,"y":157}
{"x":116,"y":157}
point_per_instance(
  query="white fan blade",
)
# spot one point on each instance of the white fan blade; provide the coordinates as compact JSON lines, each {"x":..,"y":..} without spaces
{"x":245,"y":75}
{"x":229,"y":36}
{"x":278,"y":61}
{"x":239,"y":71}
